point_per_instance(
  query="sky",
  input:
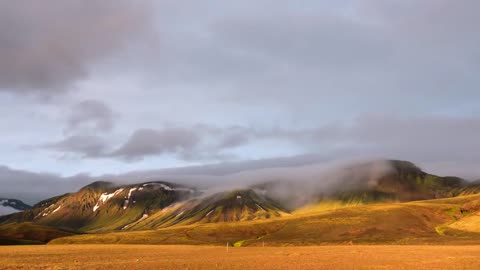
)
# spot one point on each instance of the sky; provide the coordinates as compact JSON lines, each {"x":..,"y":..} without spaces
{"x":94,"y":88}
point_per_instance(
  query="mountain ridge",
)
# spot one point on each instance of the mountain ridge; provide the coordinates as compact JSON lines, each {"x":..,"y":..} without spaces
{"x":103,"y":207}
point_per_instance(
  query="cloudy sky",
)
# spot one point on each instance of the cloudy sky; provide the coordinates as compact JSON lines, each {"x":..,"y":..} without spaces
{"x":110,"y":87}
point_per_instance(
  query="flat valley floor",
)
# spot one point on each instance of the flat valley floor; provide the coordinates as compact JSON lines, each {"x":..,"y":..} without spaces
{"x":206,"y":257}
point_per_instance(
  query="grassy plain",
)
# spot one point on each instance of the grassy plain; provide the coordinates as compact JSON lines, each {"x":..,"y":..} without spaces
{"x":208,"y":257}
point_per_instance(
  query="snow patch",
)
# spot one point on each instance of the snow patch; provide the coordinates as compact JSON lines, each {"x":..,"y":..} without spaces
{"x":209,"y":213}
{"x":47,"y":211}
{"x":127,"y":201}
{"x":105,"y":197}
{"x":58,"y":208}
{"x":144,"y":216}
{"x":130,"y":192}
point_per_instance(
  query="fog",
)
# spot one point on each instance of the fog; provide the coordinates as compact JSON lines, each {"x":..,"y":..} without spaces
{"x":294,"y":184}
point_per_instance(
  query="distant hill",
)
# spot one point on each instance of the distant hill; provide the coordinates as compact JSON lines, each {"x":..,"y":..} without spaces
{"x":10,"y":206}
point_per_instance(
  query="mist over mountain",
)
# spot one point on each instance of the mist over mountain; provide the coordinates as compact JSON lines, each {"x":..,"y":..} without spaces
{"x":306,"y":170}
{"x":33,"y":187}
{"x":112,"y":205}
{"x":262,"y":195}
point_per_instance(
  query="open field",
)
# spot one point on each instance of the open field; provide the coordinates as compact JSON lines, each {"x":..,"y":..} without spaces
{"x":207,"y":257}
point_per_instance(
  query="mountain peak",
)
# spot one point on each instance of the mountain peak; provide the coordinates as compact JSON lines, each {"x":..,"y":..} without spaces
{"x":98,"y":185}
{"x":402,"y":166}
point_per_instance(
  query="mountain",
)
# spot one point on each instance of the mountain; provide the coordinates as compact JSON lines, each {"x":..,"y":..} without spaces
{"x":10,"y":206}
{"x":230,"y":206}
{"x":103,"y":207}
{"x":450,"y":221}
{"x":400,"y":181}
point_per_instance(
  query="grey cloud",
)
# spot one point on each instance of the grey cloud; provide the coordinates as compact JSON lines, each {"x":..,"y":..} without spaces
{"x":234,"y":140}
{"x":311,"y":61}
{"x":442,"y":143}
{"x":226,"y":168}
{"x":199,"y":142}
{"x":302,"y":76}
{"x":90,"y":115}
{"x":148,"y":142}
{"x":47,"y":45}
{"x":307,"y":174}
{"x":422,"y":139}
{"x":79,"y":146}
{"x":32,"y":187}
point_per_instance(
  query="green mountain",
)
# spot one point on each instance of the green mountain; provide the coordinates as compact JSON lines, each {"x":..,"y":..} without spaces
{"x":102,"y":206}
{"x":402,"y":181}
{"x":230,"y":206}
{"x":405,"y":182}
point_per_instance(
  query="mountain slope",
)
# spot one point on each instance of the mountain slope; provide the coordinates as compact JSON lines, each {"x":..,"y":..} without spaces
{"x":102,"y":206}
{"x":232,"y":206}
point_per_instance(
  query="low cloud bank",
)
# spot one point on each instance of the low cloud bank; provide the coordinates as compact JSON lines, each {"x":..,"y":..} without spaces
{"x":304,"y":177}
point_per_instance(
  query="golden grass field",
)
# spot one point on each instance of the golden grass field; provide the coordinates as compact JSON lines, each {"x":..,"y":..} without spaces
{"x":434,"y":234}
{"x":111,"y":257}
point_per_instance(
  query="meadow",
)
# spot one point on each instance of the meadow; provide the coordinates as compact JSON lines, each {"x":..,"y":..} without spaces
{"x":216,"y":257}
{"x":432,"y":234}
